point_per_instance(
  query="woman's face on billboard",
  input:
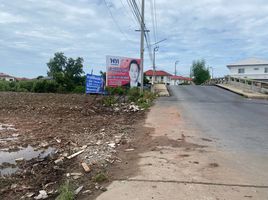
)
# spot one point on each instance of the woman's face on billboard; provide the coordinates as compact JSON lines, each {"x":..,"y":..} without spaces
{"x":134,"y":72}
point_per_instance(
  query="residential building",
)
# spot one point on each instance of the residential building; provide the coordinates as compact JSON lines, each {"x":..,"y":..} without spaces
{"x":160,"y":76}
{"x":167,"y":78}
{"x":251,"y":68}
{"x":6,"y":77}
{"x":178,"y":80}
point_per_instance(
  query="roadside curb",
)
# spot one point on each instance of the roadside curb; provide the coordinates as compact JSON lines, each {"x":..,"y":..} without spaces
{"x":252,"y":96}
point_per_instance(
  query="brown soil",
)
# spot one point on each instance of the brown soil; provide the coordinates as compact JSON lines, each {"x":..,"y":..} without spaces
{"x":65,"y":122}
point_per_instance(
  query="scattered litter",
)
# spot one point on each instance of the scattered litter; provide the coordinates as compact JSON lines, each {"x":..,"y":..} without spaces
{"x":76,"y":192}
{"x":112,"y":145}
{"x":87,"y":192}
{"x":59,"y":161}
{"x":29,"y":194}
{"x":86,"y":167}
{"x":75,"y":154}
{"x":127,"y":150}
{"x":13,"y":186}
{"x":58,"y":140}
{"x":47,"y":185}
{"x":44,"y":144}
{"x":7,"y":127}
{"x":76,"y":174}
{"x":19,"y":159}
{"x":42,"y":195}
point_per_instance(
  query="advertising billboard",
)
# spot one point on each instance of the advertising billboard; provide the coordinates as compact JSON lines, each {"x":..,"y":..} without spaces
{"x":94,"y":84}
{"x":122,"y":71}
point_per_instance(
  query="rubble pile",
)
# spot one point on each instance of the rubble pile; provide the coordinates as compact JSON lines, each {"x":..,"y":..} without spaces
{"x":71,"y":138}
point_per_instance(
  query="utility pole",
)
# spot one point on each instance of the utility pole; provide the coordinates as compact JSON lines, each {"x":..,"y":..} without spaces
{"x":142,"y":43}
{"x":211,"y":72}
{"x":153,"y":79}
{"x":176,"y":67}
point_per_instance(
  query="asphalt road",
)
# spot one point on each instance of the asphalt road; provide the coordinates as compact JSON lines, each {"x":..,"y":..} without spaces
{"x":237,"y":123}
{"x":223,"y":154}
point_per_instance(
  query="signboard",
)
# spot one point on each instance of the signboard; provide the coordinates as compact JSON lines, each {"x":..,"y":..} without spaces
{"x":94,"y":84}
{"x":122,"y":71}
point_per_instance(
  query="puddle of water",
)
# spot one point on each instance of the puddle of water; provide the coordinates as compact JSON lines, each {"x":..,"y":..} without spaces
{"x":27,"y":153}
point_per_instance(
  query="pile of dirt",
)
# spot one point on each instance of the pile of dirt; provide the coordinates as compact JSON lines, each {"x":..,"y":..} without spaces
{"x":79,"y":129}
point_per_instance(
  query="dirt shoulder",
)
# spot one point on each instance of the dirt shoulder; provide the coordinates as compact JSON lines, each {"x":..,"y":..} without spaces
{"x":171,"y":159}
{"x":42,"y":130}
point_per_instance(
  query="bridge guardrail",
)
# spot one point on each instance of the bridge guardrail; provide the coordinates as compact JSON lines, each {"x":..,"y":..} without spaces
{"x":244,"y":83}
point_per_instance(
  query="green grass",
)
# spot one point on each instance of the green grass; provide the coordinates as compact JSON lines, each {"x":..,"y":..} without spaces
{"x":66,"y":192}
{"x":100,"y":177}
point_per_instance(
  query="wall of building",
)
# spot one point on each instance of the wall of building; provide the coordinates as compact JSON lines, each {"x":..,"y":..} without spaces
{"x":160,"y":79}
{"x":7,"y":78}
{"x":253,"y":71}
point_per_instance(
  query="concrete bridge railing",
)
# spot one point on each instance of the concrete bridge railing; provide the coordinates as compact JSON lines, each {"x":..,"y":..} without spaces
{"x":243,"y":83}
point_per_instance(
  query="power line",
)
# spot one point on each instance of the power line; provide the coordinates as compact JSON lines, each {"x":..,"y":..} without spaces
{"x":115,"y":22}
{"x":153,"y":19}
{"x":136,"y":12}
{"x":125,"y":8}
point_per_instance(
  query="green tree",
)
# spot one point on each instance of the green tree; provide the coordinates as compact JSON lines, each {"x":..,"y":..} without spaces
{"x":200,"y":72}
{"x":67,"y":72}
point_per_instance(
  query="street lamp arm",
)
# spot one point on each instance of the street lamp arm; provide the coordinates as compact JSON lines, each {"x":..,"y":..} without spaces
{"x":158,"y":42}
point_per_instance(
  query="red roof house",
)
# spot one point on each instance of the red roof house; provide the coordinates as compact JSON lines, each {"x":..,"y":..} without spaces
{"x":181,"y":78}
{"x":157,"y":73}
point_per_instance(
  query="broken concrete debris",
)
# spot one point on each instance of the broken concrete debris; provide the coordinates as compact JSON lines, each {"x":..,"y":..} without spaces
{"x":112,"y":145}
{"x":76,"y":192}
{"x":59,"y":161}
{"x":75,"y":154}
{"x":42,"y":195}
{"x":63,"y":143}
{"x":86,"y":167}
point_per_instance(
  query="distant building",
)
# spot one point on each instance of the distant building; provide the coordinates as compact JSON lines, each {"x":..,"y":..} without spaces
{"x":178,"y":80}
{"x":6,"y":77}
{"x":167,"y":78}
{"x":160,"y":76}
{"x":251,"y":68}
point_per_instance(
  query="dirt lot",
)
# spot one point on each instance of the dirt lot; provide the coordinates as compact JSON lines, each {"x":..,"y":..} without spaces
{"x":37,"y":130}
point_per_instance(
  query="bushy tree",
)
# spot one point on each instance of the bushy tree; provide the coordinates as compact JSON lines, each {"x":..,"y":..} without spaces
{"x":67,"y":72}
{"x":200,"y":72}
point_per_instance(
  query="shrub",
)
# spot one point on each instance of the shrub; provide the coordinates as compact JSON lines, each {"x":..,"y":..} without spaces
{"x":79,"y":89}
{"x":133,"y":94}
{"x":116,"y":90}
{"x":42,"y":86}
{"x":25,"y":86}
{"x":109,"y":100}
{"x":4,"y":86}
{"x":39,"y":86}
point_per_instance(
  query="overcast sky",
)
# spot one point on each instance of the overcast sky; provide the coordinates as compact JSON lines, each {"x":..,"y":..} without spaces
{"x":219,"y":31}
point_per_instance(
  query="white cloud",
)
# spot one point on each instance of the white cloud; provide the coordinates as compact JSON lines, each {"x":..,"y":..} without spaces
{"x":7,"y":18}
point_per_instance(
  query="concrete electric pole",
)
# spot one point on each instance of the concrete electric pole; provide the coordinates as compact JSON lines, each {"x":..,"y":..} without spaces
{"x":153,"y":79}
{"x":176,"y":67}
{"x":211,"y":72}
{"x":142,"y":43}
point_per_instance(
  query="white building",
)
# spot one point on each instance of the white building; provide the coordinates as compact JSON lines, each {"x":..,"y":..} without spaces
{"x":166,"y":78}
{"x":252,"y":68}
{"x":178,"y":80}
{"x":6,"y":77}
{"x":160,"y":76}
